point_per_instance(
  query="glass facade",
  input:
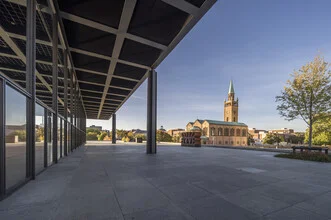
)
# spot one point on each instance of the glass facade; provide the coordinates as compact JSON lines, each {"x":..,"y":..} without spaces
{"x":62,"y":137}
{"x":59,"y":142}
{"x":49,"y":138}
{"x":40,"y":138}
{"x":15,"y":140}
{"x":27,"y":146}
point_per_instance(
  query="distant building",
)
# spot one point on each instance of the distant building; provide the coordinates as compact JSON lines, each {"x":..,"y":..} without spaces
{"x":138,"y":131}
{"x":162,"y":129}
{"x":96,"y":127}
{"x":175,"y":132}
{"x":228,"y":132}
{"x":257,"y":134}
{"x":282,"y":131}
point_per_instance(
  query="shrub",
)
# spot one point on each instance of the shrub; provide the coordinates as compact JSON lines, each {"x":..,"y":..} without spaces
{"x":92,"y":136}
{"x":311,"y":156}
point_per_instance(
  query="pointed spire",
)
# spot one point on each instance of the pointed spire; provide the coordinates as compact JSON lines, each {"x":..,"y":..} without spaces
{"x":231,"y":88}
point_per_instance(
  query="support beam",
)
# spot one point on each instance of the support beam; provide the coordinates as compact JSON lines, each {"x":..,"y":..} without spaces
{"x":127,"y":13}
{"x":55,"y":84}
{"x":31,"y":85}
{"x":113,"y":133}
{"x":151,"y":112}
{"x":71,"y":108}
{"x":2,"y":140}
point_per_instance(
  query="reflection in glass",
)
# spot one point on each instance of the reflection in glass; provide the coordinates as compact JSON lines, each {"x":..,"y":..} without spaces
{"x":58,"y":138}
{"x":15,"y":131}
{"x":40,"y":138}
{"x":69,"y":137}
{"x":62,"y":140}
{"x":49,"y":138}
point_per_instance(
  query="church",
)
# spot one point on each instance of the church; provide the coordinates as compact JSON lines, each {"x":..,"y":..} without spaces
{"x":229,"y":132}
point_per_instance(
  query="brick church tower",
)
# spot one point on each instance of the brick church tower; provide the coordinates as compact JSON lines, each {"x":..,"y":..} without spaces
{"x":231,"y":106}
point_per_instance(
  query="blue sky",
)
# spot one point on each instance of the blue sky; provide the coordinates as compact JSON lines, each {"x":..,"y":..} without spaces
{"x":256,"y":43}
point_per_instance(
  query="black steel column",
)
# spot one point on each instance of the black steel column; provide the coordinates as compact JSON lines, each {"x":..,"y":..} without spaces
{"x":31,"y":85}
{"x":151,"y":112}
{"x":55,"y":84}
{"x":71,"y":108}
{"x":65,"y":124}
{"x":2,"y":140}
{"x":113,"y":133}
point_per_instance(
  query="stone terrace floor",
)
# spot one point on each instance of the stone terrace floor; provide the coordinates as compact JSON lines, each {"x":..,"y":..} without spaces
{"x":122,"y":182}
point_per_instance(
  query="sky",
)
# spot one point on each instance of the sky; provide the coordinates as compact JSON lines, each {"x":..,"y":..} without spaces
{"x":256,"y":43}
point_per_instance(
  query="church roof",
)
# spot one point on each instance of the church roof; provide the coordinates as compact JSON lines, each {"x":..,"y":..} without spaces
{"x":225,"y":123}
{"x":231,"y":88}
{"x":199,"y":120}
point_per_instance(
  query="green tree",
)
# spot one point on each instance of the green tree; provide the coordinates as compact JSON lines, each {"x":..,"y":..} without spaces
{"x":91,"y":136}
{"x":102,"y":136}
{"x":163,"y":136}
{"x":177,"y":138}
{"x":94,"y":130}
{"x":321,"y":134}
{"x":250,"y":139}
{"x":140,"y":136}
{"x":21,"y":135}
{"x":121,"y":133}
{"x":271,"y":138}
{"x":307,"y":95}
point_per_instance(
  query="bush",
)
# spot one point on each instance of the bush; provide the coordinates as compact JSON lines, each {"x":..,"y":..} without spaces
{"x":319,"y":157}
{"x":92,"y":136}
{"x":102,"y":136}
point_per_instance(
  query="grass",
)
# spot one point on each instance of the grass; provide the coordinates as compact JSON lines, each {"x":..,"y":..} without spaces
{"x":318,"y":157}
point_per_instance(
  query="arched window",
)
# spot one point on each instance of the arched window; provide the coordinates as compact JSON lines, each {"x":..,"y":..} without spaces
{"x":244,"y":132}
{"x":232,"y":142}
{"x":212,"y":131}
{"x":232,"y":132}
{"x":220,"y":142}
{"x":238,"y":132}
{"x":220,"y":131}
{"x":227,"y":118}
{"x":226,"y":132}
{"x":234,"y":118}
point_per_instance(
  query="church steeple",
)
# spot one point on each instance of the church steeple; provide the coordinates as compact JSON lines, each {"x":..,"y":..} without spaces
{"x":231,"y":88}
{"x":231,"y":106}
{"x":231,"y":92}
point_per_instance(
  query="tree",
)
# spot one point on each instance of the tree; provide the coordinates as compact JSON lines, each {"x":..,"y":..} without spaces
{"x":93,"y":130}
{"x":271,"y":138}
{"x":102,"y":136}
{"x":250,"y":139}
{"x":321,"y":134}
{"x":163,"y":136}
{"x":176,"y":138}
{"x":142,"y":136}
{"x":121,"y":133}
{"x":307,"y":95}
{"x":91,"y":136}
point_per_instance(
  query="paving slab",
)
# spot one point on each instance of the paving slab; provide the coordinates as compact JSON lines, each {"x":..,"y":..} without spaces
{"x":120,"y":181}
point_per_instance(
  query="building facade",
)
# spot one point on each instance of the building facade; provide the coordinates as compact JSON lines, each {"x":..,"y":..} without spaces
{"x":175,"y":132}
{"x":229,"y":132}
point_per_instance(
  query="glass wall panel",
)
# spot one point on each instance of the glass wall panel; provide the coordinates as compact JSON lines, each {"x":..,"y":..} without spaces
{"x":69,"y":137}
{"x":15,"y":131}
{"x":49,"y":138}
{"x":62,"y":140}
{"x":58,"y":138}
{"x":40,"y":138}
